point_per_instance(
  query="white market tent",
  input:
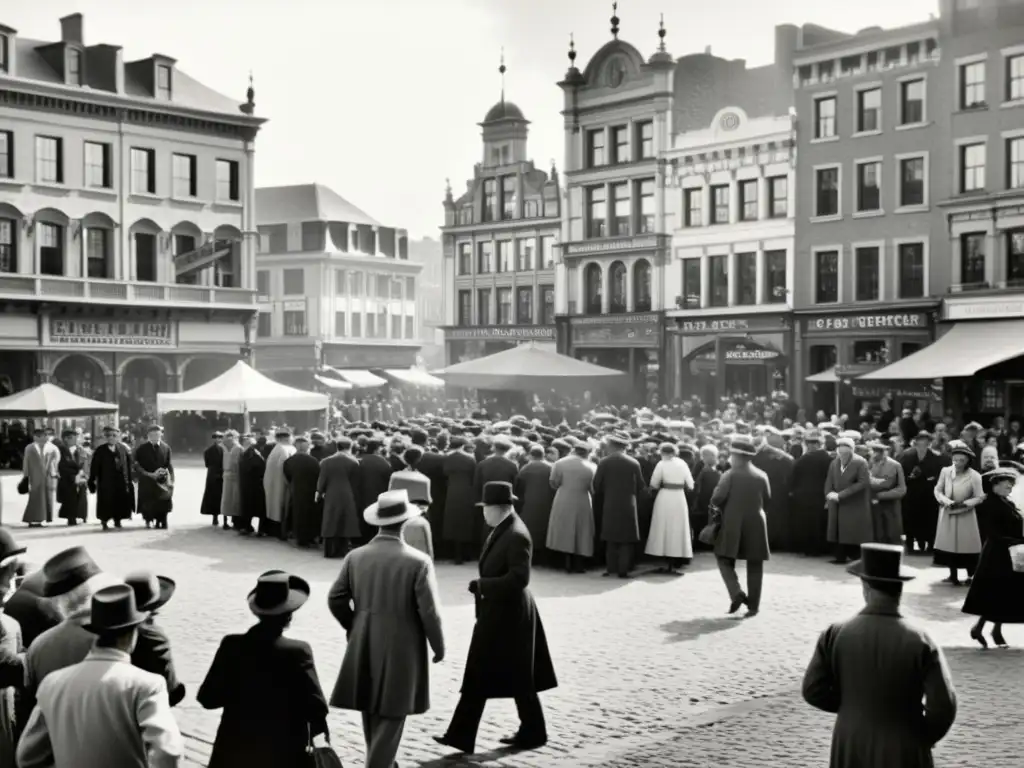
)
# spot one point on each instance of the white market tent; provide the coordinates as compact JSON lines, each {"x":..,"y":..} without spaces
{"x":414,"y":376}
{"x":242,"y":389}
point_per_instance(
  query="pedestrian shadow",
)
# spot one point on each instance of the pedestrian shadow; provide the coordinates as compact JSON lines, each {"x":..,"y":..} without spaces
{"x":691,"y":629}
{"x":456,"y":759}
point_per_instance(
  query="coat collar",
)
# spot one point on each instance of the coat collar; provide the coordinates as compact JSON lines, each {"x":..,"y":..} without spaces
{"x":496,"y":534}
{"x":108,"y":654}
{"x":881,"y":610}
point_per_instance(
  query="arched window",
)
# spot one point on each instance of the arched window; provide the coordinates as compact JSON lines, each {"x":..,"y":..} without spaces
{"x":642,"y":286}
{"x":617,"y":287}
{"x":592,"y":289}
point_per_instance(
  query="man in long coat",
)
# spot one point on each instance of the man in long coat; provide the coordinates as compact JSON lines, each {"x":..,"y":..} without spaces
{"x":462,"y":523}
{"x":385,"y":597}
{"x":252,"y":468}
{"x":110,"y":478}
{"x":155,"y":472}
{"x":302,"y":471}
{"x":535,"y":494}
{"x":432,"y":465}
{"x":618,"y":484}
{"x":40,"y":471}
{"x":213,"y":460}
{"x":875,"y":670}
{"x":336,"y":487}
{"x":778,"y":466}
{"x":921,"y":468}
{"x":848,"y":496}
{"x":807,"y":496}
{"x":71,"y":492}
{"x":888,"y":487}
{"x":371,"y":481}
{"x":321,"y":448}
{"x":496,"y":468}
{"x":275,"y":486}
{"x":508,"y":652}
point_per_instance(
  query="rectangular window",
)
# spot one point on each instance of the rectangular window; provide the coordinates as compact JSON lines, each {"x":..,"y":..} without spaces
{"x":595,"y":148}
{"x":972,"y":259}
{"x":869,"y":110}
{"x":547,"y":293}
{"x":5,"y":53}
{"x":645,"y":215}
{"x":778,"y":197}
{"x":645,"y":134}
{"x":972,"y":167}
{"x":465,"y":258}
{"x":357,"y":285}
{"x":1015,"y":258}
{"x":826,"y":277}
{"x":383,"y":286}
{"x":911,"y":271}
{"x":826,"y":189}
{"x":719,"y":281}
{"x":340,"y":282}
{"x":720,"y":204}
{"x":912,"y":181}
{"x":49,"y":160}
{"x":597,"y":212}
{"x":691,"y":284}
{"x":825,"y":117}
{"x":227,"y":181}
{"x":410,"y":289}
{"x":396,"y":289}
{"x":620,"y":209}
{"x":775,"y":277}
{"x":504,"y":296}
{"x":8,"y":246}
{"x":508,"y":197}
{"x":972,"y":85}
{"x":524,"y":306}
{"x":74,"y":62}
{"x":465,"y":316}
{"x":1015,"y":163}
{"x":371,"y":325}
{"x":912,"y":95}
{"x":263,"y":283}
{"x":410,"y":327}
{"x":6,"y":153}
{"x":547,"y":251}
{"x":294,"y":282}
{"x":504,"y":256}
{"x":356,"y":321}
{"x":183,"y":176}
{"x":692,"y":199}
{"x":620,"y":144}
{"x":163,"y":82}
{"x":382,"y":322}
{"x":869,"y":192}
{"x":143,"y":166}
{"x":184,"y":244}
{"x":340,"y":326}
{"x":51,"y":248}
{"x":396,"y":326}
{"x":97,"y":165}
{"x":263,"y":329}
{"x":484,"y":257}
{"x":524,"y":255}
{"x":295,"y":322}
{"x":483,"y":306}
{"x":746,"y":278}
{"x":867,"y":266}
{"x":490,"y":200}
{"x":96,"y":243}
{"x":748,"y":200}
{"x":1015,"y":77}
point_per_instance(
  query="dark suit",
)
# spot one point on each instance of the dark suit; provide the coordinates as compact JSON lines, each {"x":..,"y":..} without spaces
{"x":251,"y":468}
{"x":213,"y":460}
{"x":533,"y":488}
{"x":508,"y":653}
{"x":34,"y":612}
{"x":618,"y":484}
{"x":778,"y":465}
{"x":372,"y":479}
{"x":110,"y":478}
{"x":73,"y":497}
{"x":154,"y":496}
{"x":432,"y":465}
{"x":807,"y":499}
{"x":462,"y":520}
{"x":153,"y":654}
{"x":270,"y":693}
{"x":493,"y":469}
{"x":302,"y":472}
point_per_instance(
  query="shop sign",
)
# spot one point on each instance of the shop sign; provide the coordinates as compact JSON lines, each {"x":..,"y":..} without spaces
{"x":607,"y":246}
{"x":650,"y":319}
{"x":726,"y":324}
{"x":921,"y":392}
{"x":501,"y":332}
{"x":751,"y":354}
{"x":977,"y":310}
{"x":111,"y":334}
{"x":874,"y":322}
{"x":617,"y":330}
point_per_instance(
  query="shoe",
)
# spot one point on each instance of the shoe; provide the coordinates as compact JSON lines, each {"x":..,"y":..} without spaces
{"x":998,"y":639}
{"x":444,"y":742}
{"x":739,"y":600}
{"x":520,"y":742}
{"x":751,"y":613}
{"x":979,"y":638}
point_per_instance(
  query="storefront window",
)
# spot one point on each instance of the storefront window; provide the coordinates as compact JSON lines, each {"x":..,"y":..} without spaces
{"x":1015,"y":257}
{"x":823,"y":357}
{"x":592,"y":289}
{"x":972,"y":259}
{"x":908,"y":348}
{"x":775,"y":277}
{"x":642,"y":286}
{"x":691,"y":284}
{"x":874,"y":352}
{"x":746,"y":278}
{"x":617,"y":286}
{"x":719,"y":281}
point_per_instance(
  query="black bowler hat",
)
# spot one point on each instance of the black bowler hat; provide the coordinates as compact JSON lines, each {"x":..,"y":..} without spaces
{"x":881,"y":562}
{"x":151,"y":591}
{"x":67,"y":570}
{"x":114,"y":610}
{"x":8,"y":546}
{"x":278,"y":593}
{"x":496,"y":494}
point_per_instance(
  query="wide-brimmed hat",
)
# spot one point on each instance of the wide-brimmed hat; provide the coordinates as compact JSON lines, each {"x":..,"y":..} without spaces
{"x":669,"y":448}
{"x":812,"y":436}
{"x":9,"y":548}
{"x":924,"y":434}
{"x":1002,"y":473}
{"x":959,"y":446}
{"x":415,"y":484}
{"x":846,"y":442}
{"x":742,"y":447}
{"x":497,"y":493}
{"x":881,"y":562}
{"x":878,"y":445}
{"x":114,"y":609}
{"x":391,"y":508}
{"x":278,"y":593}
{"x":618,"y":439}
{"x":67,"y":570}
{"x":152,"y":592}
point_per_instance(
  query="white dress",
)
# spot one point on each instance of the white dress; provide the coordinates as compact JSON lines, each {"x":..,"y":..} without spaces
{"x":670,"y":521}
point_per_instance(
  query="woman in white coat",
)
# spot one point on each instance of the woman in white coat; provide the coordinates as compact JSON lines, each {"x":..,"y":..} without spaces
{"x":670,"y":522}
{"x":958,"y":491}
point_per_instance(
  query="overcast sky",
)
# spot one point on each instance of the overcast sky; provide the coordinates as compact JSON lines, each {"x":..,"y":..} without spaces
{"x":380,"y":99}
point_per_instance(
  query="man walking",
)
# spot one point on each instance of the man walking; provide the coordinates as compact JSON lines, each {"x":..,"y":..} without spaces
{"x":386,"y":599}
{"x":618,"y":483}
{"x":156,"y":478}
{"x":110,"y":478}
{"x":874,"y":670}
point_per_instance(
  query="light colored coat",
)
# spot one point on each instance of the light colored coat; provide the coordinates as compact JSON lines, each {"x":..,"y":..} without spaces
{"x":386,"y":599}
{"x":416,"y":533}
{"x":957,"y":532}
{"x":101,"y":713}
{"x":670,"y":520}
{"x":571,"y":526}
{"x":40,"y":467}
{"x":231,"y":495}
{"x":849,"y":519}
{"x":275,"y":485}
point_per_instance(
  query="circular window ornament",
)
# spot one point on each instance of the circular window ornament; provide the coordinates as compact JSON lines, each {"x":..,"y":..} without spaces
{"x":730,"y":121}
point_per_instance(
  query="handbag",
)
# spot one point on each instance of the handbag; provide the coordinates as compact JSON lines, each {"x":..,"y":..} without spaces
{"x":1017,"y":557}
{"x":23,"y":485}
{"x":709,"y":533}
{"x":322,"y":757}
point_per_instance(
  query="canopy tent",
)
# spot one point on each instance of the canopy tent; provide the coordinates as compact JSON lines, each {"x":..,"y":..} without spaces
{"x":357,"y":378}
{"x":51,"y":401}
{"x":242,"y":389}
{"x":526,"y":367}
{"x":965,"y":349}
{"x":414,"y":376}
{"x":332,"y":383}
{"x":829,"y":376}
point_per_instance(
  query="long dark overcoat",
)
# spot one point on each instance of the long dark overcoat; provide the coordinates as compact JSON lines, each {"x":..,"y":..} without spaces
{"x":432,"y":465}
{"x":533,"y":488}
{"x":849,"y":520}
{"x":213,"y":459}
{"x":997,"y":591}
{"x":462,"y":519}
{"x":741,"y":495}
{"x":920,"y":510}
{"x":618,"y":484}
{"x":807,"y":497}
{"x":110,"y":478}
{"x":251,"y":468}
{"x":493,"y":469}
{"x":508,"y":653}
{"x":372,"y":479}
{"x":152,"y":653}
{"x":72,"y":497}
{"x":337,"y":484}
{"x":778,"y":465}
{"x":155,"y":498}
{"x":302,"y":472}
{"x":873,"y":672}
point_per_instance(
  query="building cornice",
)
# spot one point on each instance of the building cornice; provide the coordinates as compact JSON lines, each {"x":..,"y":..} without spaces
{"x":337,"y":259}
{"x":553,"y":223}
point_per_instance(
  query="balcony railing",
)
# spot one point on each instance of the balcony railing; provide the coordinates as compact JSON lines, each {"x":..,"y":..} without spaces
{"x":1015,"y":284}
{"x":96,"y":291}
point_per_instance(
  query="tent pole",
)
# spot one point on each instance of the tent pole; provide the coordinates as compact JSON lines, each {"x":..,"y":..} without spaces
{"x":246,"y":428}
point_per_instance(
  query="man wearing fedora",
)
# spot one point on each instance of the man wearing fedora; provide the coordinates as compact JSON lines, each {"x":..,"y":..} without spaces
{"x":110,"y":478}
{"x":508,"y":653}
{"x":888,"y":487}
{"x":385,"y":597}
{"x":104,"y":712}
{"x":874,"y":670}
{"x":618,"y":484}
{"x":153,"y":649}
{"x":155,"y":473}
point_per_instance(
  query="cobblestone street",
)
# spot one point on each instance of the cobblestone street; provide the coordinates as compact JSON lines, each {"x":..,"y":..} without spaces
{"x":651,"y":671}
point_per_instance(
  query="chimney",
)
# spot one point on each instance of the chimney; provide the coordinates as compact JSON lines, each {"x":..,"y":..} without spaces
{"x":707,"y":50}
{"x":71,"y":29}
{"x":787,"y":40}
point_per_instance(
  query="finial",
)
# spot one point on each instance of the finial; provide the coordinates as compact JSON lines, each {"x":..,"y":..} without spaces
{"x":615,"y":20}
{"x":448,"y":187}
{"x":662,"y":33}
{"x":572,"y":50}
{"x":250,"y":92}
{"x":501,"y":71}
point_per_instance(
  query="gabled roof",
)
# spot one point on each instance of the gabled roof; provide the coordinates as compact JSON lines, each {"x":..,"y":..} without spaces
{"x":306,"y":202}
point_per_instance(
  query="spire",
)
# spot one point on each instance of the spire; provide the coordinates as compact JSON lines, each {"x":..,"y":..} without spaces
{"x":572,"y":51}
{"x":501,"y":71}
{"x":615,"y":20}
{"x":661,"y":34}
{"x":250,"y":98}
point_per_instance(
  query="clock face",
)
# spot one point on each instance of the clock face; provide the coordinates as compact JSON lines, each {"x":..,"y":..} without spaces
{"x":729,"y":121}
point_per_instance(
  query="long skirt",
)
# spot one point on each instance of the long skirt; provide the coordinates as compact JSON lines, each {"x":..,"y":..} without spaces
{"x":571,"y":528}
{"x":997,"y":592}
{"x":670,"y":526}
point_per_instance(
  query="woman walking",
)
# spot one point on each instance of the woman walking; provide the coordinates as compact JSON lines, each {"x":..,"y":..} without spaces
{"x":958,"y":491}
{"x":670,"y":522}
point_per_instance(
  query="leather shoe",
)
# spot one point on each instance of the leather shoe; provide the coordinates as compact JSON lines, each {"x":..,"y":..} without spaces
{"x":740,"y":599}
{"x":444,"y":741}
{"x":521,"y":742}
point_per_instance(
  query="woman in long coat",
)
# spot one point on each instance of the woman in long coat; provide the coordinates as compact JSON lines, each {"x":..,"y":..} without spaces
{"x":670,"y":523}
{"x":231,"y":493}
{"x":958,"y":491}
{"x":848,"y":495}
{"x":571,"y":529}
{"x":213,"y":458}
{"x":997,"y":591}
{"x":39,"y":468}
{"x":461,"y":517}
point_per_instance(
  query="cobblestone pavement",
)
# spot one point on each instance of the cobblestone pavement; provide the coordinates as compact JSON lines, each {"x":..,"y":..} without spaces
{"x":652,"y":673}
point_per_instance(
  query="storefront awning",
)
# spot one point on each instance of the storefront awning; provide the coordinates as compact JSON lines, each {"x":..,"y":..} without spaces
{"x":829,"y":376}
{"x":415,"y":377}
{"x":963,"y":351}
{"x":357,"y":378}
{"x":332,"y":383}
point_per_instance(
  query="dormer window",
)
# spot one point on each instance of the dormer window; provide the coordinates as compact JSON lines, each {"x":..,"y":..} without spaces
{"x":5,"y":54}
{"x":74,"y":66}
{"x":163,"y":82}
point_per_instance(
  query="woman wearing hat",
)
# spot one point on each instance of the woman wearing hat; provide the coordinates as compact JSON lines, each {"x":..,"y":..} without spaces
{"x":670,"y":521}
{"x":958,"y":491}
{"x":266,"y":684}
{"x":997,"y":591}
